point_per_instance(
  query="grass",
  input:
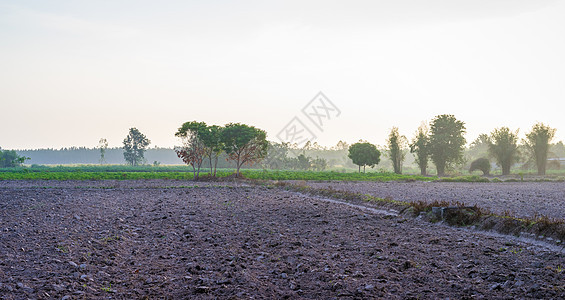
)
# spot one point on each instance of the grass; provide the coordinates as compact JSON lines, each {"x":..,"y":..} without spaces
{"x":120,"y":172}
{"x":178,"y":172}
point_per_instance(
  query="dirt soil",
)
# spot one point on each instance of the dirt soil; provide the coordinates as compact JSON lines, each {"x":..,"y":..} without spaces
{"x":69,"y":241}
{"x":519,"y":199}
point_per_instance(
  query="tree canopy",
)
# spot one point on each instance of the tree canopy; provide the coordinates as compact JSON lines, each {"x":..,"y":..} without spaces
{"x":244,"y":144}
{"x":396,"y":149}
{"x":537,"y":141}
{"x":503,"y":147}
{"x":135,"y":145}
{"x":446,"y":142}
{"x":364,"y":154}
{"x":10,"y":159}
{"x":420,"y":148}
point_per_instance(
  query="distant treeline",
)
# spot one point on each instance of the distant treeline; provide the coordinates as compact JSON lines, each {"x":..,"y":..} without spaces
{"x":83,"y":155}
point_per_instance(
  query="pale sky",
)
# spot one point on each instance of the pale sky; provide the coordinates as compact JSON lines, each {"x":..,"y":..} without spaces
{"x":72,"y":72}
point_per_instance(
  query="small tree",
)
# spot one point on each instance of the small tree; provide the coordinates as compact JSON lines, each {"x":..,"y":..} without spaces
{"x":135,"y":145}
{"x":244,"y":144}
{"x":364,"y":154}
{"x":102,"y":145}
{"x":482,"y":164}
{"x":396,"y":145}
{"x":537,"y":141}
{"x":420,"y":148}
{"x":10,"y":159}
{"x":503,"y":146}
{"x":304,"y":162}
{"x":446,"y":142}
{"x":212,"y":139}
{"x":319,"y":164}
{"x":193,"y":149}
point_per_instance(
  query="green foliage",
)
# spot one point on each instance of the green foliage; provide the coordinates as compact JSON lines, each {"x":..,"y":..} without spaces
{"x":537,"y":142}
{"x":396,"y":144}
{"x":135,"y":145}
{"x":10,"y":159}
{"x":103,"y":146}
{"x":503,"y":146}
{"x":364,"y":154}
{"x":446,"y":142}
{"x":481,"y":164}
{"x":117,"y":172}
{"x":244,"y":144}
{"x":194,"y":149}
{"x":420,"y":147}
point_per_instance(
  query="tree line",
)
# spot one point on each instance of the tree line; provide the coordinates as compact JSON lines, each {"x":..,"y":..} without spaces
{"x":443,"y":143}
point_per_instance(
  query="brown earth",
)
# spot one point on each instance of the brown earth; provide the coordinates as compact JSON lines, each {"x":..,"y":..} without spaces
{"x":519,"y":199}
{"x":128,"y":241}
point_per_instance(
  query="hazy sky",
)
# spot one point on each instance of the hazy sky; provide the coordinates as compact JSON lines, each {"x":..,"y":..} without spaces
{"x":72,"y":72}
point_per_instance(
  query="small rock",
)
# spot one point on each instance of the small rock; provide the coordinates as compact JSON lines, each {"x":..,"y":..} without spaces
{"x":369,"y":287}
{"x":284,"y":276}
{"x":66,"y":297}
{"x":20,"y":285}
{"x":496,"y":286}
{"x":73,"y":264}
{"x":202,"y":289}
{"x":536,"y":287}
{"x":84,"y":277}
{"x":518,"y":283}
{"x":82,"y":266}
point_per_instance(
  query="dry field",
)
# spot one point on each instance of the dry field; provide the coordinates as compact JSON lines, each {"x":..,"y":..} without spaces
{"x":520,"y":199}
{"x":158,"y":239}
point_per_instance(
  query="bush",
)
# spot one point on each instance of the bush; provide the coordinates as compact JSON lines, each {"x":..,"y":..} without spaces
{"x":481,"y":164}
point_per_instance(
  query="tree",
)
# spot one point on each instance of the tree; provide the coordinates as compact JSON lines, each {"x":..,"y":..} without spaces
{"x":304,"y":162}
{"x":503,"y":147}
{"x":482,"y":164}
{"x":135,"y":145}
{"x":211,"y":136}
{"x":396,"y":145}
{"x":420,"y":148}
{"x":446,"y":142}
{"x":102,"y":145}
{"x":193,"y":149}
{"x":364,"y":154}
{"x":244,"y":144}
{"x":10,"y":159}
{"x":319,"y":164}
{"x":537,"y":141}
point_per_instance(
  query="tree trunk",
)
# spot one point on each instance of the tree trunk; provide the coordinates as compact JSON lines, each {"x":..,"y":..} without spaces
{"x":359,"y":168}
{"x":423,"y":170}
{"x":440,"y":170}
{"x":215,"y":165}
{"x":505,"y":170}
{"x":363,"y":168}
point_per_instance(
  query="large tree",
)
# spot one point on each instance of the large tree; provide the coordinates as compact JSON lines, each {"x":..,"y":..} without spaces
{"x":503,"y":146}
{"x":135,"y":145}
{"x":244,"y":144}
{"x":420,"y":148}
{"x":396,"y":146}
{"x":446,"y":142}
{"x":364,"y":154}
{"x":537,"y":141}
{"x":193,"y":148}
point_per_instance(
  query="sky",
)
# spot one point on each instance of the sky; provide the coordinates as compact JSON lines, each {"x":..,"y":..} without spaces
{"x":72,"y":72}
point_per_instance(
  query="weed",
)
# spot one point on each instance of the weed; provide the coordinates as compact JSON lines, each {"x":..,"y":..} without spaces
{"x":62,"y":248}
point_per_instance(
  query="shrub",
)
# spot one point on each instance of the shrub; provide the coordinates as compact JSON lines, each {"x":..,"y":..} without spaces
{"x":481,"y":164}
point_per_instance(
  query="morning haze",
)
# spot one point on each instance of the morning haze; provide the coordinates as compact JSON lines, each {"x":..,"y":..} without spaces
{"x":72,"y":73}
